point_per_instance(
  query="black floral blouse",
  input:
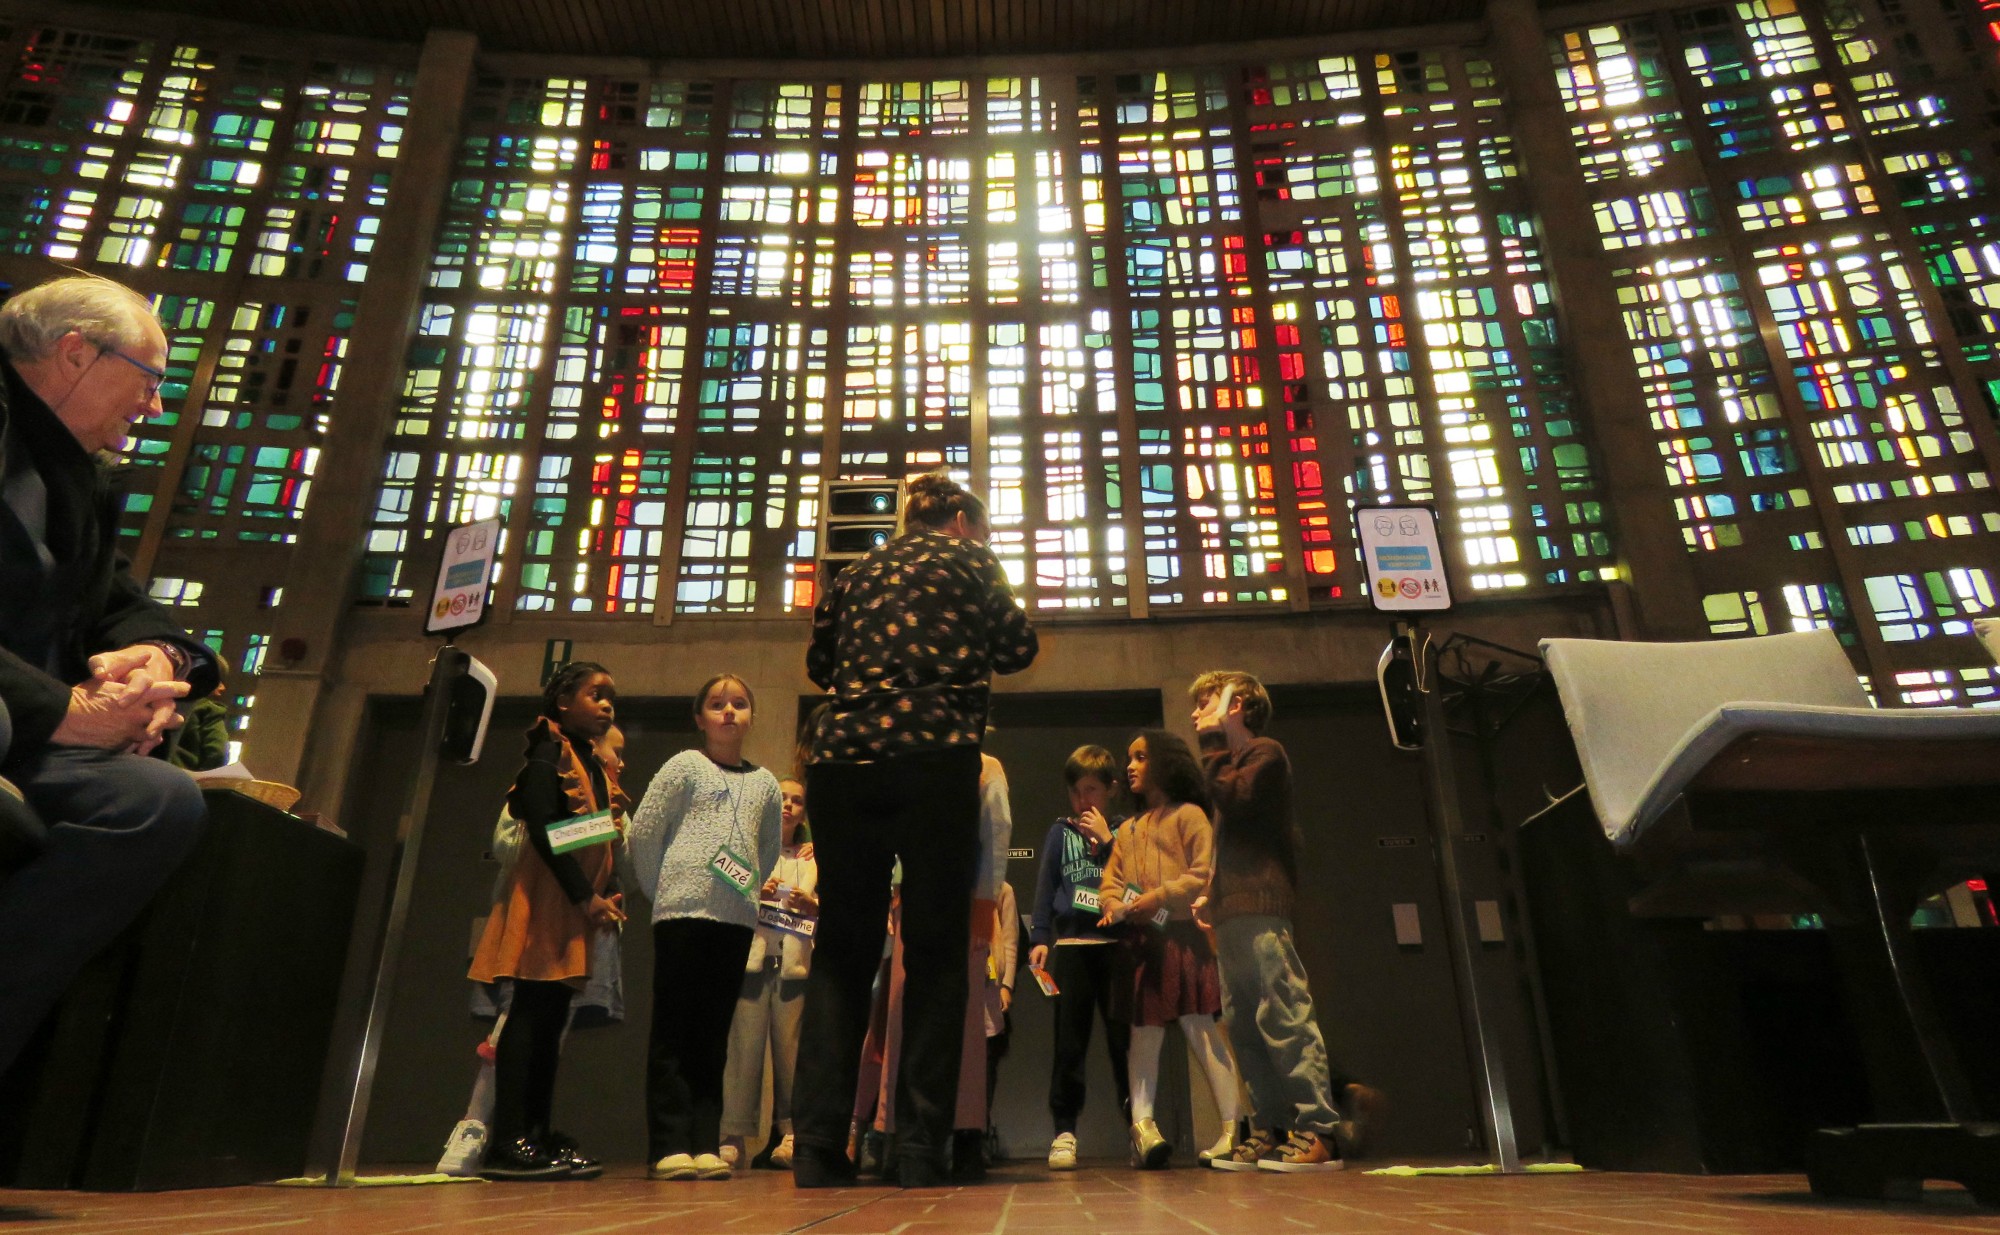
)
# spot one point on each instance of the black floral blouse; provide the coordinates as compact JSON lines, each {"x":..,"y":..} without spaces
{"x":907,"y":639}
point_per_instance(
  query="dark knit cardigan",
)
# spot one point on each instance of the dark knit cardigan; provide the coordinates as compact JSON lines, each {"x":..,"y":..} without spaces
{"x":1256,"y":841}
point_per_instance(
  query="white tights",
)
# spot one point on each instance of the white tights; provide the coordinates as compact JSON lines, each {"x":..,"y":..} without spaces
{"x":1206,"y":1039}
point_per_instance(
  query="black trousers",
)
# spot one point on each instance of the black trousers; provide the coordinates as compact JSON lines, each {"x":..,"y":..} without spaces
{"x":118,"y":826}
{"x":524,"y":1061}
{"x":923,"y":808}
{"x":697,"y":975}
{"x":1087,"y":980}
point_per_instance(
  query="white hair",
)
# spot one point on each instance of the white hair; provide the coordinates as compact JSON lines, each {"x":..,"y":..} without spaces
{"x":106,"y":313}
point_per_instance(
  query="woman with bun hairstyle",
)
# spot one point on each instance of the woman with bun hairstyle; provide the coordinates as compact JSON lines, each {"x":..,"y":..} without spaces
{"x":905,"y":641}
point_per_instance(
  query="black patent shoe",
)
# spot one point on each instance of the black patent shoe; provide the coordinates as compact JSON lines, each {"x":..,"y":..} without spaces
{"x":563,"y":1151}
{"x":522,"y":1160}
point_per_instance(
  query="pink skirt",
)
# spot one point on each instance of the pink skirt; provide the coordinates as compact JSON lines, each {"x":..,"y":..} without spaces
{"x":1173,"y":974}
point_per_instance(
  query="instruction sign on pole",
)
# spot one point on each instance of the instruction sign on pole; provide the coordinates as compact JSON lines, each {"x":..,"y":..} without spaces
{"x":1402,"y":558}
{"x":464,"y":574}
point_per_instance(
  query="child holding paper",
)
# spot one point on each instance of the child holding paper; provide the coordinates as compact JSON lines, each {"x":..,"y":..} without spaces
{"x":539,"y":931}
{"x":1078,"y":956}
{"x":706,"y":837}
{"x":774,"y":994}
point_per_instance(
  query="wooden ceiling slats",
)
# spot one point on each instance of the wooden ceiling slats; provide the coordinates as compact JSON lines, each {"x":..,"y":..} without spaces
{"x":595,"y":16}
{"x":765,"y":23}
{"x":824,"y":22}
{"x":753,"y":30}
{"x":863,"y":27}
{"x":948,"y":24}
{"x":739,"y":27}
{"x":551,"y":16}
{"x":707,"y":38}
{"x":790,"y":17}
{"x":982,"y":14}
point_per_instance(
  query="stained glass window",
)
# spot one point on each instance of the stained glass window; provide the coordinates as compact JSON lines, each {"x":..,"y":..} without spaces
{"x":1799,"y":187}
{"x":1176,"y":322}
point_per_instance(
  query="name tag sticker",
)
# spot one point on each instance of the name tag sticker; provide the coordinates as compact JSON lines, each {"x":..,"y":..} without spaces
{"x":791,"y":923}
{"x":733,"y":871}
{"x":1160,"y":918}
{"x":582,"y":832}
{"x":1086,"y":899}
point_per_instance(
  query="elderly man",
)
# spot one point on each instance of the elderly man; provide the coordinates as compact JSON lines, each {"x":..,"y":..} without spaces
{"x":90,"y":668}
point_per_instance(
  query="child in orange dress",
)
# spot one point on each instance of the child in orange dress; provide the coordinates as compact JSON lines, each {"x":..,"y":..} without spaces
{"x":538,"y":934}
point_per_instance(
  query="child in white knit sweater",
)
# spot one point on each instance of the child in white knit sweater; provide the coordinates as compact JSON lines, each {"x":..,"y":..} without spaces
{"x":704,"y":840}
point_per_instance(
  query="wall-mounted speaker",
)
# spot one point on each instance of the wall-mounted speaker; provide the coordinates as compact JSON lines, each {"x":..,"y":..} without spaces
{"x":856,"y":517}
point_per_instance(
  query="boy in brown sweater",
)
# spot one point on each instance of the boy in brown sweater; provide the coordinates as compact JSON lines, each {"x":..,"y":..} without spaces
{"x":1265,"y":999}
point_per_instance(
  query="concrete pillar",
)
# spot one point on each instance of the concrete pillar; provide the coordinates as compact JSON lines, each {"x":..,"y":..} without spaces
{"x":294,"y":709}
{"x":1666,"y":597}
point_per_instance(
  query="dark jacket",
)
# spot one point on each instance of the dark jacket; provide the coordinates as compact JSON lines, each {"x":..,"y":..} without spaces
{"x":203,"y":742}
{"x":538,"y":799}
{"x":907,"y":640}
{"x":1256,"y":841}
{"x":55,"y":617}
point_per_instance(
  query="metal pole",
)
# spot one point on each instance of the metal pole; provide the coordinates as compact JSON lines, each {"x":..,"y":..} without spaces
{"x":1482,"y":1043}
{"x":449,"y":664}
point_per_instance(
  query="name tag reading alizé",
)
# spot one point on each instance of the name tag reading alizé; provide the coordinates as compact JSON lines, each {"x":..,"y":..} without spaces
{"x":734,"y":872}
{"x":582,"y":832}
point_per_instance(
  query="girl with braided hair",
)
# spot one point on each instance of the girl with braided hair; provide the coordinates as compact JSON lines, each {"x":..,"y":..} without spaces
{"x":538,"y":934}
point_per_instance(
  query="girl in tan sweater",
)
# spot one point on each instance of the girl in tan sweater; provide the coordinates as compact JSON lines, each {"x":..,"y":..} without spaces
{"x":1160,"y":862}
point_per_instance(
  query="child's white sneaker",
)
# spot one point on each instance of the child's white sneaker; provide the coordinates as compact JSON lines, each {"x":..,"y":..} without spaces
{"x":1062,"y":1152}
{"x":465,"y":1152}
{"x":673,"y":1166}
{"x":710,"y":1166}
{"x":781,"y":1157}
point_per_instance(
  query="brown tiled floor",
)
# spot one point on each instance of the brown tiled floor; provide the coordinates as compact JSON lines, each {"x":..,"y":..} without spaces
{"x":1021,"y":1199}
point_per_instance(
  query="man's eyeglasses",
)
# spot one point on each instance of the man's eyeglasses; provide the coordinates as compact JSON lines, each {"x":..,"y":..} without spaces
{"x":154,"y":376}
